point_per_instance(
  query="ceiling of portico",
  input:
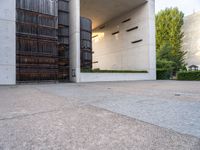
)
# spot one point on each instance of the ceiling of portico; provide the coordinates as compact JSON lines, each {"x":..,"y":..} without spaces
{"x":101,"y":11}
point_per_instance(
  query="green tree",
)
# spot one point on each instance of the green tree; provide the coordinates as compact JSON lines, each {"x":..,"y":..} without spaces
{"x":169,"y":37}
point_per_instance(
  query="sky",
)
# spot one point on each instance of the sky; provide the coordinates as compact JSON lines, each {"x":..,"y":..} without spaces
{"x":187,"y":6}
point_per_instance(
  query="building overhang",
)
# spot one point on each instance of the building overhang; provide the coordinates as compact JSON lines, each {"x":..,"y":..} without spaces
{"x":101,"y":11}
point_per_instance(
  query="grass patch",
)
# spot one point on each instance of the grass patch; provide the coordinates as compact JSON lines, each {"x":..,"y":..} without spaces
{"x":112,"y":71}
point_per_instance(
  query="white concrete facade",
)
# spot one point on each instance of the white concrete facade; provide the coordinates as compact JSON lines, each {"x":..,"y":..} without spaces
{"x":74,"y":21}
{"x":117,"y":52}
{"x":191,"y":40}
{"x":7,"y":43}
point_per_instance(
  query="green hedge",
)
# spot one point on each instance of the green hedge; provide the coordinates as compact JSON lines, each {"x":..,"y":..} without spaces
{"x":189,"y":75}
{"x":163,"y":74}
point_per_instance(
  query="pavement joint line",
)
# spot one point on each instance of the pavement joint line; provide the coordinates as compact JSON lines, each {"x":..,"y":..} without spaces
{"x":28,"y":115}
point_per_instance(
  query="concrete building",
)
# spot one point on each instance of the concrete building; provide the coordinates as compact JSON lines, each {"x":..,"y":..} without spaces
{"x":7,"y":42}
{"x":123,"y":38}
{"x":191,"y":40}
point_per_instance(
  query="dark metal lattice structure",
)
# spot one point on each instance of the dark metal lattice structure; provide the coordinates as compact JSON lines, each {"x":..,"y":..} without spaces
{"x":86,"y":43}
{"x":63,"y":39}
{"x":36,"y":27}
{"x":39,"y":39}
{"x":42,"y":39}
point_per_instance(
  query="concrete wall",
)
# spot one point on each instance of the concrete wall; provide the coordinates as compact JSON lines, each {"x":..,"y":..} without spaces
{"x":99,"y":77}
{"x":191,"y":40}
{"x":117,"y":52}
{"x":7,"y":42}
{"x":74,"y":19}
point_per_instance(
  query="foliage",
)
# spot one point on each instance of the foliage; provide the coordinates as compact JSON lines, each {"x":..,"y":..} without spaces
{"x":163,"y":74}
{"x":164,"y":69}
{"x":189,"y":75}
{"x":164,"y":64}
{"x":169,"y":37}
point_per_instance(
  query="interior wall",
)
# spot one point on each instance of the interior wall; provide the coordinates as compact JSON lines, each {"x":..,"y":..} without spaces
{"x":126,"y":50}
{"x":7,"y":42}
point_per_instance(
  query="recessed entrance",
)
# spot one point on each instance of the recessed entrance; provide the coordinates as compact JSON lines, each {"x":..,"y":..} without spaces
{"x":119,"y":35}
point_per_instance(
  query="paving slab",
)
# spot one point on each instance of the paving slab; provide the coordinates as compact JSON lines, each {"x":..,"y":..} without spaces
{"x":170,"y":104}
{"x":102,"y":116}
{"x":88,"y":128}
{"x":183,"y":117}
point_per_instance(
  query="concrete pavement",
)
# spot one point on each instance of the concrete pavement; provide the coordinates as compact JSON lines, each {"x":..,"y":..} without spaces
{"x":143,"y":115}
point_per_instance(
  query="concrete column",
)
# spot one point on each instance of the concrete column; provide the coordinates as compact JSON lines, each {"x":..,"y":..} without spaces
{"x":7,"y":42}
{"x":74,"y":40}
{"x":152,"y":38}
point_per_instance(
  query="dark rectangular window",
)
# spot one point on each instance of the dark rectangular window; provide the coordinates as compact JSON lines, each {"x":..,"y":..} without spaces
{"x":137,"y":41}
{"x":95,"y":62}
{"x":95,"y":36}
{"x":115,"y":33}
{"x":131,"y":29}
{"x":102,"y":27}
{"x":126,"y":20}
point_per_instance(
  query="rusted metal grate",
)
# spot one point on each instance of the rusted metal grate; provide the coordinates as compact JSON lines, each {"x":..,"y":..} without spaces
{"x":63,"y":40}
{"x":86,"y":43}
{"x":37,"y":41}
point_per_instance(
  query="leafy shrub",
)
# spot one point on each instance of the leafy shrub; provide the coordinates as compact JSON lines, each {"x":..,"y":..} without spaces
{"x":189,"y":75}
{"x":165,"y":64}
{"x":163,"y":74}
{"x":169,"y":37}
{"x":164,"y":69}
